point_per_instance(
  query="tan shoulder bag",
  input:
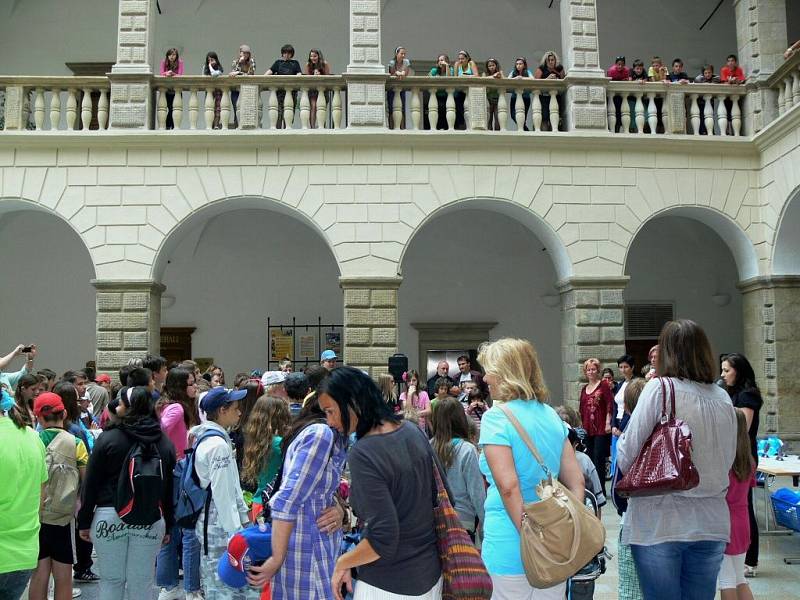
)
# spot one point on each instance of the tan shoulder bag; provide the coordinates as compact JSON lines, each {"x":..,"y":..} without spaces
{"x":559,"y":535}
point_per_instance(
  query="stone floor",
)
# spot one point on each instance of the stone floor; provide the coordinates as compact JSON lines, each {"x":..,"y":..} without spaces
{"x":775,"y":580}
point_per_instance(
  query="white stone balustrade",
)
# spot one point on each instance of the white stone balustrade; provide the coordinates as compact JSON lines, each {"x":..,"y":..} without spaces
{"x":55,"y":103}
{"x":302,"y":102}
{"x":427,"y":98}
{"x":786,"y":82}
{"x":659,"y":108}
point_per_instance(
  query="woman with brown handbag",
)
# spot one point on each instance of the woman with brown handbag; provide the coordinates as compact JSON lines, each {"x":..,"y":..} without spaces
{"x":678,"y":538}
{"x":516,"y":384}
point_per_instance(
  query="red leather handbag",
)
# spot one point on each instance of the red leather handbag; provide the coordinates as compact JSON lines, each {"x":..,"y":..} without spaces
{"x":664,"y":464}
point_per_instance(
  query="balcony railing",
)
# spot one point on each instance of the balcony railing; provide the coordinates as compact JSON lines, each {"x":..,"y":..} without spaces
{"x":268,"y":102}
{"x":786,"y":82}
{"x":55,"y":103}
{"x":657,"y":108}
{"x":462,"y":103}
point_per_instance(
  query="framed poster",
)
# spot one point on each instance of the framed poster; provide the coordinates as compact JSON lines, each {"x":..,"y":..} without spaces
{"x":333,"y":341}
{"x":281,"y":344}
{"x":308,"y":347}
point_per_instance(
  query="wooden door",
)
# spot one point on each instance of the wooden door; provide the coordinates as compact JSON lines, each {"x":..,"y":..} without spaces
{"x":176,"y":343}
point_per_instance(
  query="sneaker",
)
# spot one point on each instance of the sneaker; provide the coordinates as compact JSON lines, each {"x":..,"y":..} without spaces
{"x":198,"y":595}
{"x":173,"y":593}
{"x":76,"y":593}
{"x":749,"y":571}
{"x":87,"y":576}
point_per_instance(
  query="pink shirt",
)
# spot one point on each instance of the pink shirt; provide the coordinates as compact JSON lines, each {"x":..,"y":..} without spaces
{"x":174,"y":426}
{"x":740,"y":521}
{"x":423,"y":402}
{"x":164,"y":66}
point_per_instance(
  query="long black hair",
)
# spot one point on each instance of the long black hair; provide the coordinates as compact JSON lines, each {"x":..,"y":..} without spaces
{"x":745,"y":376}
{"x":140,"y":405}
{"x":206,"y":70}
{"x":351,"y":388}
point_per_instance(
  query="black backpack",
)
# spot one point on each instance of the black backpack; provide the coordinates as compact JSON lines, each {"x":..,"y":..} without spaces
{"x":140,"y":485}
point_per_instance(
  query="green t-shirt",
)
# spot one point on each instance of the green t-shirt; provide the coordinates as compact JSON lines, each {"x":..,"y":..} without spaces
{"x":270,"y":469}
{"x":81,"y":454}
{"x":22,"y":470}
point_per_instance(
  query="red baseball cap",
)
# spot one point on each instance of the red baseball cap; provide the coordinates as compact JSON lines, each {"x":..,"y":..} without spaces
{"x":47,"y":403}
{"x":103,"y":378}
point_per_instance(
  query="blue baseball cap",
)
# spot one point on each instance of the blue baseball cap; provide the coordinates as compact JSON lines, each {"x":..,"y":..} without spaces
{"x":328,"y":355}
{"x":218,"y":397}
{"x":247,"y":547}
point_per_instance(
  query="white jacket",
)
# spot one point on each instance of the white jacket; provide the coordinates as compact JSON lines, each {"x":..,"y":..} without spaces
{"x":216,"y":466}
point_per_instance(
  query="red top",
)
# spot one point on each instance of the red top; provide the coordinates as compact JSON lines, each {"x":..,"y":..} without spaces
{"x":595,"y":408}
{"x":725,"y":74}
{"x":740,"y":521}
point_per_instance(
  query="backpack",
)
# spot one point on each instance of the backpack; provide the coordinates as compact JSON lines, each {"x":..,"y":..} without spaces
{"x":140,"y":485}
{"x":63,"y":481}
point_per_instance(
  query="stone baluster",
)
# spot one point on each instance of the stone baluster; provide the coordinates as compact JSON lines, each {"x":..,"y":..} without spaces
{"x":781,"y":99}
{"x":225,"y":109}
{"x":652,"y":114}
{"x":208,"y":109}
{"x":612,"y":112}
{"x":177,"y":108}
{"x":72,"y":108}
{"x":502,"y":110}
{"x":397,"y":108}
{"x":86,"y":109}
{"x":795,"y":88}
{"x":336,"y":111}
{"x":322,"y":108}
{"x":38,"y":109}
{"x":639,"y":113}
{"x":194,"y":109}
{"x":736,"y":115}
{"x":519,"y":110}
{"x":288,"y":109}
{"x":451,"y":109}
{"x":467,"y":119}
{"x":787,"y":93}
{"x":708,"y":114}
{"x":161,"y":109}
{"x":536,"y":110}
{"x":433,"y":110}
{"x":625,"y":113}
{"x":694,"y":115}
{"x":102,"y":110}
{"x":55,"y":110}
{"x":416,"y":113}
{"x":273,"y":108}
{"x":305,"y":108}
{"x":555,"y":110}
{"x":722,"y":115}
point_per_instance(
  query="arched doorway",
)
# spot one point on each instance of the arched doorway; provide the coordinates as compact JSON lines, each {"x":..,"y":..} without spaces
{"x":231,"y":266}
{"x":482,"y":267}
{"x":47,"y":295}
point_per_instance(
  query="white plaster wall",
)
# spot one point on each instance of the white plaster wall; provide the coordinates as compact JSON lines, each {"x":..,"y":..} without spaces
{"x":476,"y":265}
{"x":46,"y":297}
{"x":233,"y":271}
{"x":36,"y":37}
{"x":676,"y":259}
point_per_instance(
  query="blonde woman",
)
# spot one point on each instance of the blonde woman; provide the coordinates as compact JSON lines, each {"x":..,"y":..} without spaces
{"x":549,"y":68}
{"x":596,"y":408}
{"x":515,"y":379}
{"x":389,"y":391}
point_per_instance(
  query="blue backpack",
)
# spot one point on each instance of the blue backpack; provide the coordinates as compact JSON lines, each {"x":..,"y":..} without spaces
{"x":189,"y":497}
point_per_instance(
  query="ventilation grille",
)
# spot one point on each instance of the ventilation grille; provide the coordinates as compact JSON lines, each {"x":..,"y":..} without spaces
{"x":644,"y":321}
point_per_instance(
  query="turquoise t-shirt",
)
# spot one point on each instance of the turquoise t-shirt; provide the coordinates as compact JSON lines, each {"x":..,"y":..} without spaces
{"x":269,"y":471}
{"x":500,"y":548}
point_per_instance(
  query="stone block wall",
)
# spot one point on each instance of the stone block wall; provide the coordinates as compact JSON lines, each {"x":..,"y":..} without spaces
{"x":592,"y":326}
{"x":128,"y":322}
{"x":370,"y":322}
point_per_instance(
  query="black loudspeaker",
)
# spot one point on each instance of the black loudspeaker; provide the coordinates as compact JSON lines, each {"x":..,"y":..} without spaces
{"x":398,"y":364}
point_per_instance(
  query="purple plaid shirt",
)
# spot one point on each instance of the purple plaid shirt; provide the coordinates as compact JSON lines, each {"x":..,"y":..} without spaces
{"x":313,"y":468}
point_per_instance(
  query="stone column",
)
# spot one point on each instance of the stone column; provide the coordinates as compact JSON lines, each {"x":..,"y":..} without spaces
{"x":592,"y":326}
{"x":586,"y":82}
{"x":761,"y":39}
{"x":131,"y":100}
{"x":771,"y":307}
{"x":128,"y":322}
{"x":370,"y":321}
{"x":366,"y":76}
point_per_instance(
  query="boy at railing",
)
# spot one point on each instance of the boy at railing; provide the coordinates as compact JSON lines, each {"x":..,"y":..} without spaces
{"x":678,"y":75}
{"x":732,"y":73}
{"x":285,"y":65}
{"x":657,"y":70}
{"x":707,"y":76}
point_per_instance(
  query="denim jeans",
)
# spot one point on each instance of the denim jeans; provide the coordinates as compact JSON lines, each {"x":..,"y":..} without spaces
{"x":167,"y":562}
{"x":679,"y":570}
{"x":13,"y":584}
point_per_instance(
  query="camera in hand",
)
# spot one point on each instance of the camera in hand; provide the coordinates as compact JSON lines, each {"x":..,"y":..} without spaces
{"x":27,"y":349}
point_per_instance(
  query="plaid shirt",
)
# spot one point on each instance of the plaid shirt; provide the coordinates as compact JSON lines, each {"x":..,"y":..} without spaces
{"x":312,"y":470}
{"x":236,"y":67}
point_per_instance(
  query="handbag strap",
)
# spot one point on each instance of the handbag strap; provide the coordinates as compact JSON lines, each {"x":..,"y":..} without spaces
{"x":664,"y":415}
{"x":525,"y":437}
